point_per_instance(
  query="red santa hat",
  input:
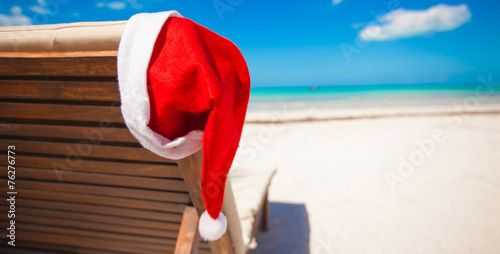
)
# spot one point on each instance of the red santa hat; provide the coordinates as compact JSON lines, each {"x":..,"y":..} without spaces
{"x":184,"y":87}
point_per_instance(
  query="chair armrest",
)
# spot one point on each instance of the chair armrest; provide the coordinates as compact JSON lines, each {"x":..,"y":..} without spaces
{"x":188,"y":238}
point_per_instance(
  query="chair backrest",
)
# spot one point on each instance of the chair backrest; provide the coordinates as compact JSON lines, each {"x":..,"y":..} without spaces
{"x":82,"y":180}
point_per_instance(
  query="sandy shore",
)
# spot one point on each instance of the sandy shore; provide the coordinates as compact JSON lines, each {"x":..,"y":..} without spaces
{"x":421,"y":180}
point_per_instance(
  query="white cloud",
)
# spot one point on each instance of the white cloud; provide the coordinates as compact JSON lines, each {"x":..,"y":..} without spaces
{"x":16,"y":10}
{"x":41,"y":8}
{"x":16,"y":18}
{"x":335,"y":2}
{"x":119,"y":5}
{"x":134,"y":4}
{"x":403,"y":23}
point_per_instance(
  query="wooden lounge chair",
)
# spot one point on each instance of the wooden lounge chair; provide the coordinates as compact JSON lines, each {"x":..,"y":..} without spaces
{"x":84,"y":184}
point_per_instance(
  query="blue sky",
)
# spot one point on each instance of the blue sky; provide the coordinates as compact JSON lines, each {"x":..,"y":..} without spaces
{"x":321,"y":42}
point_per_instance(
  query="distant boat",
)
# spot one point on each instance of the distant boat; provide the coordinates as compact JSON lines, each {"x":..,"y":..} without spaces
{"x":313,"y":87}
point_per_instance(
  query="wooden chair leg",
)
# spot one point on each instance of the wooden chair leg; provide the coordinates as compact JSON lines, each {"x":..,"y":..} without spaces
{"x":265,"y":214}
{"x":188,"y":238}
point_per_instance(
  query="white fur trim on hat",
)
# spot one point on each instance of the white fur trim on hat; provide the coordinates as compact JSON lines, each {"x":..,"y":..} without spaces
{"x":134,"y":54}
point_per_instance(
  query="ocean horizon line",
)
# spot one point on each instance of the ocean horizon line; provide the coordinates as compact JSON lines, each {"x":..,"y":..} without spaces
{"x":395,"y":85}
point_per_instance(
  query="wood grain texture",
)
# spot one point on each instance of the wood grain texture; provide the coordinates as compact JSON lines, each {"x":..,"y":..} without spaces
{"x":103,"y":235}
{"x":99,"y":200}
{"x":77,"y":91}
{"x":96,"y":135}
{"x":102,"y":219}
{"x":189,"y":237}
{"x":100,"y":209}
{"x":84,"y":149}
{"x":74,"y":64}
{"x":26,"y":247}
{"x":190,"y":168}
{"x":92,"y":226}
{"x":63,"y":187}
{"x":102,"y":179}
{"x":78,"y":242}
{"x":204,"y":252}
{"x":73,"y":163}
{"x":60,"y":112}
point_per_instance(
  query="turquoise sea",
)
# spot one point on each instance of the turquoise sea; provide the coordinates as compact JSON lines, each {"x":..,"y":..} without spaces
{"x":356,"y":96}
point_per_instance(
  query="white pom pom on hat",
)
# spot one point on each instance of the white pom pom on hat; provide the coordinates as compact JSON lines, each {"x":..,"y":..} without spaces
{"x":210,"y":229}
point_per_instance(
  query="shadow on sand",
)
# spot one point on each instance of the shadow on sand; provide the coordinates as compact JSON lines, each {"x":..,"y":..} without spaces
{"x":288,"y":230}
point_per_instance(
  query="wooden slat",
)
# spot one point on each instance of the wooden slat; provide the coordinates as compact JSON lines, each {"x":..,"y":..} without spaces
{"x":172,"y":197}
{"x":103,"y":219}
{"x":44,"y":248}
{"x":100,"y":209}
{"x":189,"y":238}
{"x":102,"y":235}
{"x":60,"y":112}
{"x":93,"y":134}
{"x":20,"y":250}
{"x":204,"y":246}
{"x":86,"y":225}
{"x":61,"y":166}
{"x":102,"y":179}
{"x":60,"y":90}
{"x":98,"y":200}
{"x":204,"y":252}
{"x":76,"y":64}
{"x":78,"y":242}
{"x":84,"y":149}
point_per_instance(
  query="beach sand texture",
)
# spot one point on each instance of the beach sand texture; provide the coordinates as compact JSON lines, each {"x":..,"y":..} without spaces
{"x":410,"y":183}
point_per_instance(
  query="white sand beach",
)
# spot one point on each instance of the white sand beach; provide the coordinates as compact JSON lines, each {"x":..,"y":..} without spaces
{"x":414,"y":180}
